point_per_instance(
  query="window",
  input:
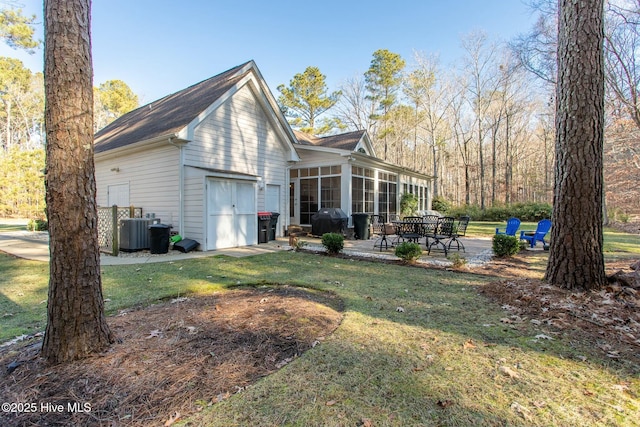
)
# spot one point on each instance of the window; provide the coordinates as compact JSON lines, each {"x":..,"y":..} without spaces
{"x":308,"y":199}
{"x":320,"y":188}
{"x":387,"y":194}
{"x":362,"y":190}
{"x":330,"y":192}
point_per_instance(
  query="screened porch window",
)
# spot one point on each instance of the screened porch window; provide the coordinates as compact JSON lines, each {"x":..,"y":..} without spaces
{"x":387,"y":194}
{"x":362,"y":190}
{"x":320,"y":187}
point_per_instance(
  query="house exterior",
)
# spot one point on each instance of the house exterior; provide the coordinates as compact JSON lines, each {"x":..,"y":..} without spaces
{"x":342,"y":171}
{"x":206,"y":159}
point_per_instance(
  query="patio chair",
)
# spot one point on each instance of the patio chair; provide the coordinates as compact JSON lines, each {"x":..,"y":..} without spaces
{"x":443,"y":231}
{"x":538,"y":235}
{"x":429,"y":225}
{"x":459,"y":231}
{"x":512,"y":227}
{"x":379,"y":229}
{"x":409,"y":229}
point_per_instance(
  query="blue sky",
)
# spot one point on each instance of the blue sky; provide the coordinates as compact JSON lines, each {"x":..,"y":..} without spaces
{"x":158,"y":47}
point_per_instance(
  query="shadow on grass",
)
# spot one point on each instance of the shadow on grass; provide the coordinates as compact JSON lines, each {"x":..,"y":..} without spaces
{"x":425,"y":298}
{"x":23,"y":294}
{"x":417,"y":345}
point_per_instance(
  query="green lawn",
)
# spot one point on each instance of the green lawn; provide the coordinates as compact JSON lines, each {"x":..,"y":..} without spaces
{"x":617,"y":244}
{"x":12,"y":227}
{"x":442,"y":361}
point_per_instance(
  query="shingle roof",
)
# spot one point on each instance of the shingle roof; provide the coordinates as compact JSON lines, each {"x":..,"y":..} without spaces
{"x":166,"y":115}
{"x":345,"y":141}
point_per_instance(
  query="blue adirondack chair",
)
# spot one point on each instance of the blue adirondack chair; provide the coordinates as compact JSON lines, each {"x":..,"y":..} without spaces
{"x":538,"y":235}
{"x":512,"y":227}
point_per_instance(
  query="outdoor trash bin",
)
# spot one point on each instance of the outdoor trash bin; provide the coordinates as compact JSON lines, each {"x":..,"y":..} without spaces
{"x":264,"y":220}
{"x":273,"y":225}
{"x":361,"y":223}
{"x":159,"y":238}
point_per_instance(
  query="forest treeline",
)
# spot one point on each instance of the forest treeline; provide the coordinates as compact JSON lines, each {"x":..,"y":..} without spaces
{"x":483,"y":127}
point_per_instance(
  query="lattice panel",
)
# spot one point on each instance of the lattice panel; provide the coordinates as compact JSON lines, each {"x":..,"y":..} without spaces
{"x":106,"y":225}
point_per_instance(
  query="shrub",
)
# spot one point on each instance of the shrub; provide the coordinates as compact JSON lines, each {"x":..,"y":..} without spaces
{"x":471,"y":211}
{"x":37,"y":225}
{"x":440,"y":204}
{"x":457,"y":261}
{"x":408,"y":251}
{"x":505,"y":246}
{"x":617,"y":214}
{"x":530,"y":211}
{"x":333,"y":242}
{"x":408,"y":204}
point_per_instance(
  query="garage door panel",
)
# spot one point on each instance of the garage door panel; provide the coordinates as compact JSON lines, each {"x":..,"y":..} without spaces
{"x":246,"y":198}
{"x":232,"y":219}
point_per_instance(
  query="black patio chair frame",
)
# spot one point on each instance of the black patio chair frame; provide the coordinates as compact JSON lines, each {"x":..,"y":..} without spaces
{"x":442,"y":232}
{"x":380,"y":229}
{"x":459,"y":231}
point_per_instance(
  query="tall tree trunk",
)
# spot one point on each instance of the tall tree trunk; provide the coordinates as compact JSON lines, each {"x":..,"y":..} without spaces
{"x":436,"y":182}
{"x":481,"y":164}
{"x":508,"y":175}
{"x":494,"y":161}
{"x":76,"y":324}
{"x":576,"y":260}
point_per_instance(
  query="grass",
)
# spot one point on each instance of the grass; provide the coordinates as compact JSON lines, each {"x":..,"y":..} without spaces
{"x":441,"y":361}
{"x":488,"y":229}
{"x":11,"y":227}
{"x":23,"y":296}
{"x":617,"y":244}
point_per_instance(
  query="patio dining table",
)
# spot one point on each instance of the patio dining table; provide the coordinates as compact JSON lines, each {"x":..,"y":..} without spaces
{"x":435,"y":230}
{"x":409,"y":231}
{"x":414,"y":228}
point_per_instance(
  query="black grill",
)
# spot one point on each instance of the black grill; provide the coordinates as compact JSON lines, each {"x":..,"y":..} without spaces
{"x":328,"y":220}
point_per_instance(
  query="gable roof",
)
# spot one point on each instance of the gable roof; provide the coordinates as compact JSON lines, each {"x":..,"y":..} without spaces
{"x":167,"y":116}
{"x":344,"y":141}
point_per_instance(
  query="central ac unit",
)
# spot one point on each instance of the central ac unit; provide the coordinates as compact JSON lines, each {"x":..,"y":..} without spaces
{"x":134,"y":233}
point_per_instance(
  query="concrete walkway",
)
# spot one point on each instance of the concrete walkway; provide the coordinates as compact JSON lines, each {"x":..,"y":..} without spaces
{"x":35,"y":246}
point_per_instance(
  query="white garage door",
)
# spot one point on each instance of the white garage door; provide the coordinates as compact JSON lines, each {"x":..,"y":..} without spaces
{"x":232,"y":216}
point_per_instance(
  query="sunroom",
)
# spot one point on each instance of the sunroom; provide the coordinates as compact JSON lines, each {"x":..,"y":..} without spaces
{"x":341,"y":171}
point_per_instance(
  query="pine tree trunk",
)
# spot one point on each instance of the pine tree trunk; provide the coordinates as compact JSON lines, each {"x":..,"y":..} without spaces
{"x":576,"y":260}
{"x":76,"y":324}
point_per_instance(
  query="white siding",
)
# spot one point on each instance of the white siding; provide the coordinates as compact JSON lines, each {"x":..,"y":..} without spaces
{"x":153,"y":180}
{"x":194,"y":205}
{"x":309,"y":158}
{"x":237,"y":138}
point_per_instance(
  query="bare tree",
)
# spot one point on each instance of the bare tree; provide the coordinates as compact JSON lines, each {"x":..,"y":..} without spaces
{"x":354,"y":108}
{"x":432,"y":97}
{"x":537,"y":49}
{"x":76,"y":324}
{"x":482,"y":67}
{"x":462,"y":129}
{"x":622,"y":44}
{"x":576,"y":260}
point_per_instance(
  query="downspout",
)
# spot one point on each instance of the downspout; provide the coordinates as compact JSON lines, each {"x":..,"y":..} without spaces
{"x":181,"y":185}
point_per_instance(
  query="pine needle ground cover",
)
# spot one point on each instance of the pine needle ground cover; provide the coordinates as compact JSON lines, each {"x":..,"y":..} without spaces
{"x":410,"y":346}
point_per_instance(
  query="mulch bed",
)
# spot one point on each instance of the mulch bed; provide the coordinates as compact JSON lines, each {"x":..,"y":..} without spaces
{"x":605,"y":321}
{"x":172,"y":358}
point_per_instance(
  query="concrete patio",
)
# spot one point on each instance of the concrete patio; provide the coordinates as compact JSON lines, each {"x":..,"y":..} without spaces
{"x":477,"y":250}
{"x":35,"y":246}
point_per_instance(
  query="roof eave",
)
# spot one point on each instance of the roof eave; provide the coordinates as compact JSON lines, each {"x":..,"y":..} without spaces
{"x":169,"y":138}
